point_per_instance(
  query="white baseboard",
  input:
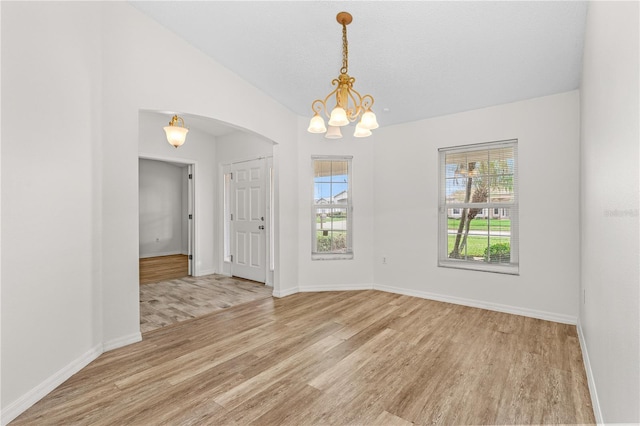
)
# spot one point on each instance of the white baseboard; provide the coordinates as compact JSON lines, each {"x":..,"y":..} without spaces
{"x":162,"y":253}
{"x":203,"y":272}
{"x":19,"y":406}
{"x":334,"y":287}
{"x":122,"y":341}
{"x":317,"y":288}
{"x":595,"y":402}
{"x":543,"y":315}
{"x":285,"y":292}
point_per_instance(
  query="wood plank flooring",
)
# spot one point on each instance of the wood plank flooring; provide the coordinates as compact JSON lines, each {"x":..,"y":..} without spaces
{"x":154,"y":269}
{"x":172,"y":301}
{"x":334,"y":358}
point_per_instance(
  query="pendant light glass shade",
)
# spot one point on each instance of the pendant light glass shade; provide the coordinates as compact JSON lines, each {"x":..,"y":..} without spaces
{"x":333,"y":133}
{"x":338,"y":117}
{"x":316,"y":125}
{"x":176,"y":134}
{"x":361,"y":131}
{"x":369,"y":121}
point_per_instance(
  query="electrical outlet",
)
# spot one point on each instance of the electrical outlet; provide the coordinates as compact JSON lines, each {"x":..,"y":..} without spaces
{"x":384,"y":259}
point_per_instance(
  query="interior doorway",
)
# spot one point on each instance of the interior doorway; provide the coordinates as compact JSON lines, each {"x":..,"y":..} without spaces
{"x":166,"y":225}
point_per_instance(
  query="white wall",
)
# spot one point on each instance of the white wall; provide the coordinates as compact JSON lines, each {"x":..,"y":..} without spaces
{"x":242,"y":146}
{"x":0,"y":226}
{"x":199,"y":149}
{"x":406,"y":200}
{"x":161,"y":208}
{"x":70,"y":198}
{"x":51,"y":318}
{"x":356,"y":273}
{"x":138,"y":74}
{"x":609,"y":319}
{"x":285,"y":162}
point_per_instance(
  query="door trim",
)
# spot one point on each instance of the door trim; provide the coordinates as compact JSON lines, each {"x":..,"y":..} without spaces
{"x":193,"y":236}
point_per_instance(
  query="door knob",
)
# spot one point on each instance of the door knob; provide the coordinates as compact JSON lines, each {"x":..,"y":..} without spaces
{"x":261,"y":227}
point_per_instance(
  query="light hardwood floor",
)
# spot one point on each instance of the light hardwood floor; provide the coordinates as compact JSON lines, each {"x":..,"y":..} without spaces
{"x":154,"y":269}
{"x":334,"y":358}
{"x":172,"y":301}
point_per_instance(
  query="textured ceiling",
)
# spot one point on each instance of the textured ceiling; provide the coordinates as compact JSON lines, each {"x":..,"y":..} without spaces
{"x":417,"y":59}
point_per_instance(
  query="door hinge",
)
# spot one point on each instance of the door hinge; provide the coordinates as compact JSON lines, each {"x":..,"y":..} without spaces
{"x":190,"y":176}
{"x":190,"y":257}
{"x":190,"y":216}
{"x":231,"y":257}
{"x":231,"y":216}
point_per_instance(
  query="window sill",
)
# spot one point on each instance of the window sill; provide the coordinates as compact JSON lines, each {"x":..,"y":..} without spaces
{"x":332,"y":256}
{"x":509,"y":269}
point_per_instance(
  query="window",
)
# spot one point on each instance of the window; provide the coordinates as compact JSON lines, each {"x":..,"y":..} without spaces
{"x":478,"y":207}
{"x":331,"y":222}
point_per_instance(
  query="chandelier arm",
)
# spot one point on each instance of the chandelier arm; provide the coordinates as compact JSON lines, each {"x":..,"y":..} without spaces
{"x":326,"y":110}
{"x":352,"y":114}
{"x":175,"y":120}
{"x":318,"y":105}
{"x":367,"y":102}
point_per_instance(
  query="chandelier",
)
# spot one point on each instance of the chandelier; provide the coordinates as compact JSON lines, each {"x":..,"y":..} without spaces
{"x":349,"y":104}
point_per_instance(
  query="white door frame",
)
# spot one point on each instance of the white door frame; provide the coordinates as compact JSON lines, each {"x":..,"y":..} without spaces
{"x":192,"y":204}
{"x":191,"y":211}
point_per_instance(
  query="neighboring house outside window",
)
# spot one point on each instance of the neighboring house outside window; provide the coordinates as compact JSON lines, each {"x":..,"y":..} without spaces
{"x":478,"y":207}
{"x":331,"y":223}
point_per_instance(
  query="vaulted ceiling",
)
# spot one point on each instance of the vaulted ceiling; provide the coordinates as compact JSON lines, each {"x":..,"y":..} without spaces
{"x":418,"y":59}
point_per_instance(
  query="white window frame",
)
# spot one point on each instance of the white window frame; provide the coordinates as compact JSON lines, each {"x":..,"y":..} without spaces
{"x":315,"y":255}
{"x":443,"y":208}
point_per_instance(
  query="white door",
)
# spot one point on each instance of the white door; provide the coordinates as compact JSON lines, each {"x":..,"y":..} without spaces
{"x":248,"y":236}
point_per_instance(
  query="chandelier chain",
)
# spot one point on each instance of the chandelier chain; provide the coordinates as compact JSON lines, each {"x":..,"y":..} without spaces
{"x":345,"y":50}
